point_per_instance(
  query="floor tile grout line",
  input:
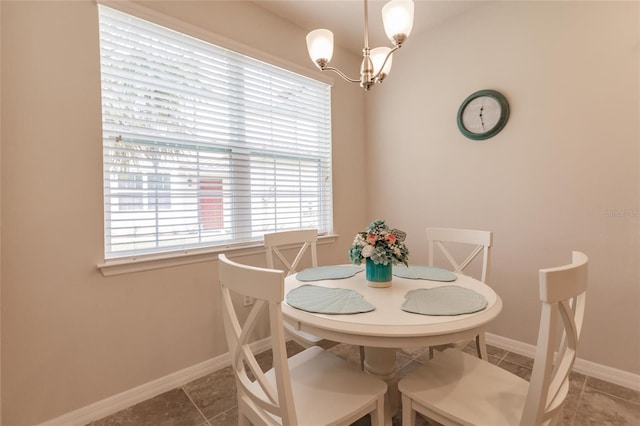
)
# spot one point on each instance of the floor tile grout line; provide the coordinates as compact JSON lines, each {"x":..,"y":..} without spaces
{"x":224,"y":412}
{"x":195,"y":405}
{"x":503,"y":358}
{"x":618,"y":397}
{"x":575,"y":413}
{"x":632,"y":401}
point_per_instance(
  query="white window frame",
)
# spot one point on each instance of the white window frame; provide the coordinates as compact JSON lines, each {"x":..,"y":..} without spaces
{"x":142,"y":261}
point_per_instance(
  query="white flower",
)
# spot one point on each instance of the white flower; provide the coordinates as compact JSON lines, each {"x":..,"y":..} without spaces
{"x":367,"y":250}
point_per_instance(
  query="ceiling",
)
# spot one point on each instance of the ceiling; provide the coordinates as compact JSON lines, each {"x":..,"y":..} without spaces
{"x":345,"y":18}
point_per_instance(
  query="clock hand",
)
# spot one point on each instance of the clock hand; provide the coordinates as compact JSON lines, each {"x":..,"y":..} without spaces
{"x":481,"y":120}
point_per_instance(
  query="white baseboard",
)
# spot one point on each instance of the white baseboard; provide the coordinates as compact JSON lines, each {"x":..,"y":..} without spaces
{"x":118,"y":402}
{"x":599,"y":371}
{"x":143,"y":392}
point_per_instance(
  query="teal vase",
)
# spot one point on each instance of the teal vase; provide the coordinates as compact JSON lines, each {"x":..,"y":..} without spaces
{"x":378,"y":273}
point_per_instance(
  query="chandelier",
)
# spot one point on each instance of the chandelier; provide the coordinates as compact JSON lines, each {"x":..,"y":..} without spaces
{"x":397,"y":18}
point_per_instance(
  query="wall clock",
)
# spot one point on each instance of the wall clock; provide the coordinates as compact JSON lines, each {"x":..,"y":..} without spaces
{"x":483,"y":114}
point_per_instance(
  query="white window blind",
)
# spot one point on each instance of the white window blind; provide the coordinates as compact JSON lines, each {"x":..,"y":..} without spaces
{"x":204,"y":146}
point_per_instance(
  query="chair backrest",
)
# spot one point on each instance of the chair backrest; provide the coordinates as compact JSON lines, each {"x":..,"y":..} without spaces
{"x":562,"y":292}
{"x":305,"y":239}
{"x":260,"y":400}
{"x":480,"y":240}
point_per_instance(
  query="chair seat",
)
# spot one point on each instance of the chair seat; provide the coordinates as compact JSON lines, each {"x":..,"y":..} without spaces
{"x":479,"y":393}
{"x":326,"y":388}
{"x":303,"y":339}
{"x":479,"y":341}
{"x":458,"y":344}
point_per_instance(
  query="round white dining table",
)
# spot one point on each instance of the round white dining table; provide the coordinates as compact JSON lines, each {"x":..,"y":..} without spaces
{"x":387,"y":328}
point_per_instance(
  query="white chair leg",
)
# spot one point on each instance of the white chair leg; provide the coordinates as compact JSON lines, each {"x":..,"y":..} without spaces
{"x":377,"y":417}
{"x":481,"y":346}
{"x":408,"y":413}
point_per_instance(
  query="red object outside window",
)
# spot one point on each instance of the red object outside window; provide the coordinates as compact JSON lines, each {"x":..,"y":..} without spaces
{"x":210,"y":204}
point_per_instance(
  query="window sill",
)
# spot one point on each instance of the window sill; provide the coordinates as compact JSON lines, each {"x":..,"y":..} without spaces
{"x":159,"y":261}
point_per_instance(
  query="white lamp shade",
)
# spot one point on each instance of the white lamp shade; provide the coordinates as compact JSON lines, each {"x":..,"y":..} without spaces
{"x":377,"y":58}
{"x":320,"y":45}
{"x":397,"y":17}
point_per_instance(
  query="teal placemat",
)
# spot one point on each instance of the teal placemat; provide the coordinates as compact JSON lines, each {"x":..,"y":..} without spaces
{"x":418,"y":272}
{"x":323,"y":300}
{"x":446,"y":300}
{"x":333,"y":272}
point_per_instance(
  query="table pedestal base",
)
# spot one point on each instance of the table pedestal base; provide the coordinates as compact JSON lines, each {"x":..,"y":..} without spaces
{"x":381,"y":362}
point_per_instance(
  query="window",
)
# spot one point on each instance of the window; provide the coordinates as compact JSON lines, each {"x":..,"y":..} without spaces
{"x":204,"y":146}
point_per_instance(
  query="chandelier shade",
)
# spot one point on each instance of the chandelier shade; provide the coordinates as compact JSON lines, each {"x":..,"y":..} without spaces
{"x":320,"y":45}
{"x":378,"y":57}
{"x":397,"y":18}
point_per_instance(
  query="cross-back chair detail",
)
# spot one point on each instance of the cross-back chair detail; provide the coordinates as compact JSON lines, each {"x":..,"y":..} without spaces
{"x":481,"y":242}
{"x":305,"y":241}
{"x":311,"y":387}
{"x":563,"y":295}
{"x":259,"y":392}
{"x":457,"y":388}
{"x":275,"y":242}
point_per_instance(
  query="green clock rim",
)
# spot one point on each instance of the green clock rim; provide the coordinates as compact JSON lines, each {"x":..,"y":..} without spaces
{"x":502,"y":121}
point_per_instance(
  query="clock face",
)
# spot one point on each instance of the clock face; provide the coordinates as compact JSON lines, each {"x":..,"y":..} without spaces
{"x":483,"y":114}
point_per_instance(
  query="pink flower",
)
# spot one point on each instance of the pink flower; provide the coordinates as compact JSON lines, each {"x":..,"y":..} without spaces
{"x":371,"y":239}
{"x":391,"y":239}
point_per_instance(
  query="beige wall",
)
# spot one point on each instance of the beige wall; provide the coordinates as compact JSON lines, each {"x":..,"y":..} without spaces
{"x":70,"y":336}
{"x":568,"y":154}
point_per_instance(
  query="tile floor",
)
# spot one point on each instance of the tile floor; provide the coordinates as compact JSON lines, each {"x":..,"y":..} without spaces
{"x":210,"y":400}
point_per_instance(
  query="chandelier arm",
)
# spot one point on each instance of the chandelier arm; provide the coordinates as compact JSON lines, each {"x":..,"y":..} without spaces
{"x":386,"y":58}
{"x":341,"y":74}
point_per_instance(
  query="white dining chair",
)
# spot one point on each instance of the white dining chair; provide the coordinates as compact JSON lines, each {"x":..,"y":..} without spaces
{"x":313,"y":387}
{"x":458,"y":388}
{"x":450,"y":242}
{"x":304,"y":241}
{"x":301,"y":240}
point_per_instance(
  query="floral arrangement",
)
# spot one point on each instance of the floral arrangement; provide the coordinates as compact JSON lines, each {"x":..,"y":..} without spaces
{"x":380,"y":244}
